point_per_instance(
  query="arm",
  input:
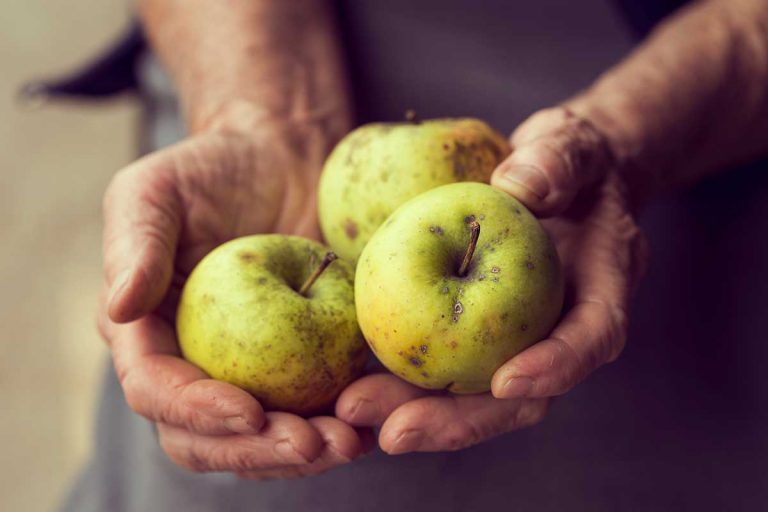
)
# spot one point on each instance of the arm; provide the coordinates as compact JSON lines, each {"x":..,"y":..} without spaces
{"x":689,"y":101}
{"x":280,"y":60}
{"x":261,"y":88}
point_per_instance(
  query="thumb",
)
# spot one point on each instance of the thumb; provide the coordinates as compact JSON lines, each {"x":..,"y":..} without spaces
{"x":555,"y":154}
{"x":142,"y":214}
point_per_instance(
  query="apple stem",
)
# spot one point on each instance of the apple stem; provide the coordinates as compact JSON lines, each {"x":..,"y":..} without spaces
{"x":474,"y":234}
{"x":411,"y":117}
{"x":329,"y":257}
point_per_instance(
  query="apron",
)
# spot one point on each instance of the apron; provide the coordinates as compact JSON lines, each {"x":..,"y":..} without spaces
{"x":678,"y":422}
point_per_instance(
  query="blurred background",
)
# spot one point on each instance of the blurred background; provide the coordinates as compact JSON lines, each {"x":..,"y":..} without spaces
{"x":55,"y":161}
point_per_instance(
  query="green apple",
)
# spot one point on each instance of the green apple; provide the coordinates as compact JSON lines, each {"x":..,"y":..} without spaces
{"x":457,"y":281}
{"x":378,"y":167}
{"x":257,"y":312}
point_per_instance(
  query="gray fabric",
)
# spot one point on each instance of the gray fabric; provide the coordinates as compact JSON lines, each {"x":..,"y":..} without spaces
{"x":678,"y":423}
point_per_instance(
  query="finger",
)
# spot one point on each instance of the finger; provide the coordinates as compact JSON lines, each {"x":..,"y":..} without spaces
{"x":555,"y":154}
{"x":164,"y":388}
{"x":103,"y":324}
{"x":453,"y":422}
{"x":591,"y":334}
{"x":286,"y":440}
{"x":342,"y":445}
{"x":142,"y":218}
{"x":367,"y":402}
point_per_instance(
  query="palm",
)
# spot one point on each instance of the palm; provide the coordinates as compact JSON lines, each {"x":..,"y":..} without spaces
{"x":597,"y":241}
{"x":163,"y":214}
{"x":228,"y":187}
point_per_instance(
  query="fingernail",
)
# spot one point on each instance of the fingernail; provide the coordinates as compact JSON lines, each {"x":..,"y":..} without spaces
{"x":364,"y":412}
{"x":118,"y":284}
{"x":407,"y":441}
{"x":528,"y":177}
{"x":239,"y":425}
{"x":340,"y":457}
{"x":517,"y":387}
{"x":288,"y":454}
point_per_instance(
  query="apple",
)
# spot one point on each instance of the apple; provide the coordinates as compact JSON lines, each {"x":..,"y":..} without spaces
{"x":377,"y":167}
{"x":274,"y":315}
{"x":457,"y":281}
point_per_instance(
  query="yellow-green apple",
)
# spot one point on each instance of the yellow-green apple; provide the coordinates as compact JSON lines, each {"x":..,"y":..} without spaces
{"x":457,"y":281}
{"x":272,"y":315}
{"x":378,"y":167}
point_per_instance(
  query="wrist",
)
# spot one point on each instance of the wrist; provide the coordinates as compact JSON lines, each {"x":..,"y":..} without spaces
{"x":246,"y":116}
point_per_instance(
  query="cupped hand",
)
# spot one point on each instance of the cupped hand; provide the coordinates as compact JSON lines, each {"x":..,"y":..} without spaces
{"x":563,"y":169}
{"x":162,"y":214}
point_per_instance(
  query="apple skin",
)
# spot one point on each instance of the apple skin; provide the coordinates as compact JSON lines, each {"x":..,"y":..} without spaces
{"x":378,"y":167}
{"x":441,"y":331}
{"x":241,"y":321}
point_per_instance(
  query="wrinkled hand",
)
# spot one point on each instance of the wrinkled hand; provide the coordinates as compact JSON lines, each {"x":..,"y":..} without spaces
{"x":162,"y":215}
{"x":563,"y":169}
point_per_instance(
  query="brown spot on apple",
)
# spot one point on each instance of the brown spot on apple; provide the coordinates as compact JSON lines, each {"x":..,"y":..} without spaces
{"x":458,"y":309}
{"x":350,"y":229}
{"x":246,"y":257}
{"x":415,"y":361}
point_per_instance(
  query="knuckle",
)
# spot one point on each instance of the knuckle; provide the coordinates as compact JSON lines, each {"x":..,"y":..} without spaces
{"x":175,"y":409}
{"x":196,"y":464}
{"x":562,"y":163}
{"x":555,"y":116}
{"x":184,"y":457}
{"x":419,"y":409}
{"x":611,"y":334}
{"x":568,"y":364}
{"x":530,"y":413}
{"x":461,"y":434}
{"x":240,"y":461}
{"x":198,"y":461}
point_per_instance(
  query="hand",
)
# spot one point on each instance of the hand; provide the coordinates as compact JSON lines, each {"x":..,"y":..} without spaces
{"x":561,"y":168}
{"x":162,"y":215}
